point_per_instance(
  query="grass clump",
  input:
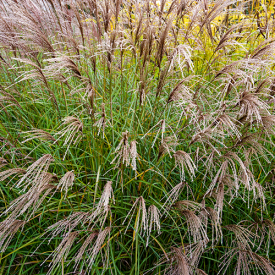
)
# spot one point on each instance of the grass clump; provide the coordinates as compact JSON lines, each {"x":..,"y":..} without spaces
{"x":137,"y":137}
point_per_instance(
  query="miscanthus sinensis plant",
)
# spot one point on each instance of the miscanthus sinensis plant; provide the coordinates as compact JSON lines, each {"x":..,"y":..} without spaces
{"x":137,"y":137}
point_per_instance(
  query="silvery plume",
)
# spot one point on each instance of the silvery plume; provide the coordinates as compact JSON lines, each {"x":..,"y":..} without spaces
{"x":126,"y":153}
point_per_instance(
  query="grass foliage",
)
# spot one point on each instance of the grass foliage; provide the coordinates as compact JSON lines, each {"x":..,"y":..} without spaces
{"x":137,"y":137}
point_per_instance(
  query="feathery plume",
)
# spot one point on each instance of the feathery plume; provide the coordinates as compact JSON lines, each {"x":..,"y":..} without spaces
{"x":63,"y":62}
{"x":35,"y":173}
{"x":63,"y":250}
{"x":29,"y":201}
{"x":184,"y":161}
{"x":195,"y":226}
{"x":215,"y":222}
{"x":161,"y":128}
{"x":153,"y":221}
{"x":98,"y":245}
{"x":107,"y":194}
{"x":66,"y":225}
{"x":178,"y":263}
{"x":247,"y":261}
{"x":186,"y":205}
{"x":14,"y":171}
{"x":167,"y":146}
{"x":37,"y":133}
{"x":102,"y":122}
{"x":65,"y":182}
{"x":219,"y":200}
{"x":126,"y":153}
{"x":133,"y":154}
{"x":173,"y":195}
{"x":84,"y":247}
{"x":229,"y":38}
{"x":139,"y":204}
{"x":182,"y":54}
{"x":103,"y":207}
{"x":180,"y":93}
{"x":194,"y":252}
{"x":8,"y":229}
{"x":251,"y":107}
{"x":72,"y":130}
{"x":243,"y":237}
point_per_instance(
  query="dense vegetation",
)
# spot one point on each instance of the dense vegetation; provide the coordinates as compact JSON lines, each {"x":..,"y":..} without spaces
{"x":137,"y":137}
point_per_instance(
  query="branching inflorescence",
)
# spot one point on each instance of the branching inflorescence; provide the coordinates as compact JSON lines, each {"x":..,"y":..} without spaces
{"x":137,"y":137}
